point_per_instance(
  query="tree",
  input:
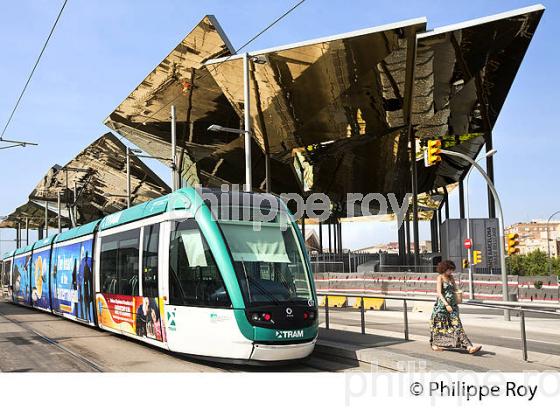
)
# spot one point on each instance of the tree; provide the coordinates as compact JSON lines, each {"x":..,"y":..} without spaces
{"x":533,"y":264}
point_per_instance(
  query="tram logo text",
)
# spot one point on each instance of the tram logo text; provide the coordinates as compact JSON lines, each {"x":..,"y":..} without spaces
{"x":282,"y":334}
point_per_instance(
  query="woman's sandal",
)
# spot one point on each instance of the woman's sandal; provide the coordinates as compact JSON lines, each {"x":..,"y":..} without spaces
{"x":474,"y":349}
{"x":437,"y":348}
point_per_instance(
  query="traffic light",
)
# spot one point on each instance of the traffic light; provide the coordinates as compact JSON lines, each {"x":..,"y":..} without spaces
{"x":432,"y":155}
{"x":512,"y":244}
{"x":465,"y":263}
{"x":477,"y":257}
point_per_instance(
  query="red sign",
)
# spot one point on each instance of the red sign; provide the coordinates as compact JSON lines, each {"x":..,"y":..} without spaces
{"x":467,"y":243}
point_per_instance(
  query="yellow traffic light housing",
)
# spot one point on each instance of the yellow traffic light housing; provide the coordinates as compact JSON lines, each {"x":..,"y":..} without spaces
{"x":432,"y":155}
{"x":465,"y":263}
{"x":477,"y":257}
{"x":512,"y":244}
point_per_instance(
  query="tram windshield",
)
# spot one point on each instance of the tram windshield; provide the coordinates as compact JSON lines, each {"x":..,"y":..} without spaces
{"x":268,"y":260}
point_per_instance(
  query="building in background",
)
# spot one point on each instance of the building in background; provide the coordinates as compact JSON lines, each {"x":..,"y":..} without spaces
{"x":393,"y":247}
{"x":533,"y":236}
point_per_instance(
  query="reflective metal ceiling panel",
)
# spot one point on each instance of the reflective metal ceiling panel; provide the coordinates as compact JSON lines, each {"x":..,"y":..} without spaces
{"x":323,"y":90}
{"x":34,"y":214}
{"x":181,"y":79}
{"x":331,"y":112}
{"x":99,"y":175}
{"x":465,"y":72}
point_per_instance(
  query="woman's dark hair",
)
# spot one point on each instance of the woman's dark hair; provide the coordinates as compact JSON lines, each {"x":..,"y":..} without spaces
{"x":444,"y":266}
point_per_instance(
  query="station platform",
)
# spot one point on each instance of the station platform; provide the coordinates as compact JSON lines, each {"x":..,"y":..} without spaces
{"x":384,"y":348}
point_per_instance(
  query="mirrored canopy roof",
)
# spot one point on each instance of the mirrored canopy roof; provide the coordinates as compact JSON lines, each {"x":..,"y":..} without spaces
{"x":99,"y":175}
{"x":33,"y":214}
{"x":332,"y":112}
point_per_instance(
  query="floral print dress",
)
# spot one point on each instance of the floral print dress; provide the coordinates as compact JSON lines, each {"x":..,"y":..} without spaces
{"x":446,"y":328}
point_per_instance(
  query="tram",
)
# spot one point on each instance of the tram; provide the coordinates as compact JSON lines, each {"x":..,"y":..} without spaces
{"x":222,"y":276}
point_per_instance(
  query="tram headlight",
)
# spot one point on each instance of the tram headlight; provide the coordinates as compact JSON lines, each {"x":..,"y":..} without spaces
{"x":261,"y":317}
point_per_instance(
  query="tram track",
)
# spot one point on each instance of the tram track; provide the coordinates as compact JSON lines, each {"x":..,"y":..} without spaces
{"x":77,"y":356}
{"x":318,"y":361}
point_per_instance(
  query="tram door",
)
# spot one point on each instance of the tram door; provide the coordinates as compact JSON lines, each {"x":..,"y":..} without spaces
{"x":152,"y":302}
{"x":199,"y":316}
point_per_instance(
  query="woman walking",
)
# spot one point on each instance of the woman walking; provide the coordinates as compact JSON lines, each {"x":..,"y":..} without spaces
{"x":445,"y":325}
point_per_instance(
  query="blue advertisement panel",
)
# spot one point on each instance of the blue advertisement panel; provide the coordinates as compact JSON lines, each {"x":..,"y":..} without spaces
{"x":40,"y":294}
{"x":21,"y":289}
{"x":72,"y":280}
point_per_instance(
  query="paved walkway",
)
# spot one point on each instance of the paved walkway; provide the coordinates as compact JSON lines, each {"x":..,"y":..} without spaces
{"x":385,"y":346}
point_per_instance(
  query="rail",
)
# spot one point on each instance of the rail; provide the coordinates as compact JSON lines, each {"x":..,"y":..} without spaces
{"x":520,"y":307}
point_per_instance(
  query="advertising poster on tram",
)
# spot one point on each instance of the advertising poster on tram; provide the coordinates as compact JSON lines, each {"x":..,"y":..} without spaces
{"x":138,"y":315}
{"x":72,"y":280}
{"x":20,"y":280}
{"x":40,"y":294}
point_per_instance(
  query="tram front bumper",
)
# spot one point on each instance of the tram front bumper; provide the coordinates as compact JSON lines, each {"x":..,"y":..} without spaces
{"x":272,"y":352}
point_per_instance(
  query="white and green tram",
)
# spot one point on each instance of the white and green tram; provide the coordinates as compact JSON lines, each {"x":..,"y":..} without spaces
{"x":220,"y":275}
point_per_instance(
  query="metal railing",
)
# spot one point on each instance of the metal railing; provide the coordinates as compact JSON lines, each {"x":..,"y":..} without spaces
{"x":326,"y":266}
{"x":519,"y":307}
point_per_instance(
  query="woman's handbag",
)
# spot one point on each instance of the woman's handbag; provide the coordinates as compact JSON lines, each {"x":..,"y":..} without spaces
{"x":459,"y":296}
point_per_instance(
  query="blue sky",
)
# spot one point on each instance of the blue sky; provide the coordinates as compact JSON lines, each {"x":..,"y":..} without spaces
{"x":102,"y":49}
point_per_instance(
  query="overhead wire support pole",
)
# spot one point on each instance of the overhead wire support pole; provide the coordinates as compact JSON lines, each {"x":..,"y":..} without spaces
{"x":127,"y":177}
{"x":58,"y":203}
{"x":46,"y":218}
{"x":173,"y":149}
{"x":247,"y":123}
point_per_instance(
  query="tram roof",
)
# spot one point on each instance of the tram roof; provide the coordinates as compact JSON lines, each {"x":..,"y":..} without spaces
{"x":180,"y":199}
{"x":23,"y":250}
{"x":77,"y":232}
{"x":44,"y":242}
{"x":8,"y":255}
{"x":331,"y":112}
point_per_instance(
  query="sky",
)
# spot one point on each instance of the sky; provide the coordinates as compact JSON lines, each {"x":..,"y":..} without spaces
{"x":101,"y":50}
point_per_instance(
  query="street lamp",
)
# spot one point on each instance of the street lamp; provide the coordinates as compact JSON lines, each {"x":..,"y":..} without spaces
{"x":548,"y":241}
{"x":248,"y":173}
{"x":219,"y":128}
{"x":247,"y":122}
{"x":500,"y":221}
{"x":490,"y":153}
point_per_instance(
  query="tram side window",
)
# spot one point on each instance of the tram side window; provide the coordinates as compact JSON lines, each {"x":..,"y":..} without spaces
{"x":7,"y":269}
{"x":150,"y":261}
{"x":120,"y":263}
{"x":194,"y":278}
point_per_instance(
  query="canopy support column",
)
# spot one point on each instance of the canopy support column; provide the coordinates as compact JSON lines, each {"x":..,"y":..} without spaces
{"x":407,"y":108}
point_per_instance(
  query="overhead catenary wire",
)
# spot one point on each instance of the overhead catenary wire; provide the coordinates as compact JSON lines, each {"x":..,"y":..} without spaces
{"x":23,"y":143}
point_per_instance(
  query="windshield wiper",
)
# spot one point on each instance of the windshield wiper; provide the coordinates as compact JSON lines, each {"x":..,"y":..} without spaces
{"x":258,"y":286}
